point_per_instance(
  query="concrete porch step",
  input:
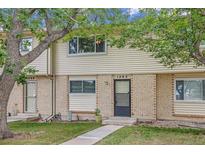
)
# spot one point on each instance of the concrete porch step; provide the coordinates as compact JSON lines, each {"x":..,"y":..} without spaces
{"x":27,"y":114}
{"x":22,"y":116}
{"x":123,"y":121}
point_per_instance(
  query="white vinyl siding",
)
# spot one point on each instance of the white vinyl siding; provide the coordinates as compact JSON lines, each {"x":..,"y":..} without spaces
{"x":189,"y":108}
{"x":82,"y":102}
{"x":41,"y":63}
{"x":116,"y":61}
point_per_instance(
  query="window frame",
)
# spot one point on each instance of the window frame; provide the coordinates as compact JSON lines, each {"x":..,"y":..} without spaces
{"x":20,"y":45}
{"x":187,"y":101}
{"x":88,"y":53}
{"x":81,"y":93}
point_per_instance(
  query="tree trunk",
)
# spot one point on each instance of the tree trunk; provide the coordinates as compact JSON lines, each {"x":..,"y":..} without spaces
{"x":6,"y":85}
{"x":4,"y":130}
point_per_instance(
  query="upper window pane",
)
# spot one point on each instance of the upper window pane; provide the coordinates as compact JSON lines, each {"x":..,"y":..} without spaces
{"x":80,"y":45}
{"x":89,"y":86}
{"x":76,"y":86}
{"x":100,"y":43}
{"x":26,"y":44}
{"x":86,"y":45}
{"x":100,"y":46}
{"x":73,"y":46}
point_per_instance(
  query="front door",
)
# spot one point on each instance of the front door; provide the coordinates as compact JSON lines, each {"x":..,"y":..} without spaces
{"x":122,"y":98}
{"x":30,"y":100}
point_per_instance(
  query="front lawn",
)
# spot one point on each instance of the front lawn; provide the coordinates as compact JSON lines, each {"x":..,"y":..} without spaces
{"x":154,"y":135}
{"x":46,"y":133}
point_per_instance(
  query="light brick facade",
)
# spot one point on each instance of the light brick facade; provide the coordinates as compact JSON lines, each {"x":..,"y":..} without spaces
{"x":62,"y":103}
{"x":152,"y":97}
{"x":144,"y":97}
{"x":15,"y":104}
{"x":44,"y":96}
{"x":105,"y":95}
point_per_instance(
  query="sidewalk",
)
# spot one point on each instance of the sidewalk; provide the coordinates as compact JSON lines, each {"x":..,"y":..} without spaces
{"x":93,"y":136}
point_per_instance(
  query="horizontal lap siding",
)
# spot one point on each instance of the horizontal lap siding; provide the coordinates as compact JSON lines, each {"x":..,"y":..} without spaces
{"x":82,"y":102}
{"x":115,"y":61}
{"x":40,"y":64}
{"x":189,"y":108}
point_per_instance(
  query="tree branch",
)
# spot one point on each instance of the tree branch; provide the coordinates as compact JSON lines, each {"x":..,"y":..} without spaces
{"x":48,"y":24}
{"x":44,"y":45}
{"x":32,"y":10}
{"x":52,"y":37}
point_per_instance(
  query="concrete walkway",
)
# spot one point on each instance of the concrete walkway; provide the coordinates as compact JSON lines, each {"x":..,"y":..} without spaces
{"x":93,"y":136}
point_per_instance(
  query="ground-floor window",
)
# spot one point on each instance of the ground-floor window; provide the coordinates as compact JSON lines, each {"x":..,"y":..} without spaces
{"x":82,"y":86}
{"x":82,"y":93}
{"x":190,"y":89}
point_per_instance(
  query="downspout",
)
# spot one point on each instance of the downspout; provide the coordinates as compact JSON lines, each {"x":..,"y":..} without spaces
{"x":53,"y":80}
{"x":53,"y":83}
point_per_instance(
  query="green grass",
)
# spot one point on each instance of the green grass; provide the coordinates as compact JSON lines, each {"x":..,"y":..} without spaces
{"x":153,"y":135}
{"x":47,"y":133}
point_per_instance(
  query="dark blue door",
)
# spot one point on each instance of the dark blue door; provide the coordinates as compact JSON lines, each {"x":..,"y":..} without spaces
{"x":122,"y":98}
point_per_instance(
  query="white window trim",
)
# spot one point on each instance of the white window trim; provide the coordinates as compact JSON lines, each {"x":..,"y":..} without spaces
{"x":27,"y":51}
{"x":82,"y":93}
{"x":186,"y":101}
{"x":87,"y":54}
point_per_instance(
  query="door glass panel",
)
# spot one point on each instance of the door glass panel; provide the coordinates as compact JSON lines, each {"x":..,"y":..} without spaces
{"x":31,"y":104}
{"x":122,"y":100}
{"x":122,"y":86}
{"x":31,"y":89}
{"x":122,"y":93}
{"x":30,"y":97}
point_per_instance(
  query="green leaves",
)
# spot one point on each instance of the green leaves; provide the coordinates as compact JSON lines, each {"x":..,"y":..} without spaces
{"x":22,"y":77}
{"x":3,"y":54}
{"x":52,"y":24}
{"x":172,"y":35}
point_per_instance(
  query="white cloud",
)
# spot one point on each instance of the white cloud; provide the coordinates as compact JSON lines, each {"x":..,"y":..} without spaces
{"x":133,"y":11}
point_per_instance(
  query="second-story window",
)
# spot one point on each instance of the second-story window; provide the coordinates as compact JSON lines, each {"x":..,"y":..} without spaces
{"x":82,"y":45}
{"x":26,"y":44}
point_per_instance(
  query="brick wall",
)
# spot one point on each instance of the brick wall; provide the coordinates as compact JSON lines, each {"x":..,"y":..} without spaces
{"x":44,"y":96}
{"x":15,"y":103}
{"x":62,"y":96}
{"x":144,"y":97}
{"x":105,"y":95}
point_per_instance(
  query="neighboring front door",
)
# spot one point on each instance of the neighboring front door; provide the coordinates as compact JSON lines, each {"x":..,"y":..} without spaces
{"x":122,"y":98}
{"x":30,"y":100}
